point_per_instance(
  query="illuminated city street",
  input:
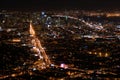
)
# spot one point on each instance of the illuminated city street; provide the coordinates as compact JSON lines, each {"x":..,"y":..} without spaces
{"x":39,"y":50}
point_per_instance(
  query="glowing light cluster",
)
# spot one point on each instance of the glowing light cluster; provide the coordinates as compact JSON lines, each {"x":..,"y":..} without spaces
{"x":100,"y":54}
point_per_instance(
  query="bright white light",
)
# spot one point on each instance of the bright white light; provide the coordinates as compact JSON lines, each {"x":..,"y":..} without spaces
{"x":52,"y":65}
{"x":62,"y":65}
{"x":34,"y":69}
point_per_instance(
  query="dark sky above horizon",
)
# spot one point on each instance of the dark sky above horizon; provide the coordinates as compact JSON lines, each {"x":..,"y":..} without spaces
{"x":59,"y":3}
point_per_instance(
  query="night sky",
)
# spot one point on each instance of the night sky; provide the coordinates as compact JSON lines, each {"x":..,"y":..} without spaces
{"x":60,"y":4}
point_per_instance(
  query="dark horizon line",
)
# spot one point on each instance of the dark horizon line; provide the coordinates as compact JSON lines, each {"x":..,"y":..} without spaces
{"x":58,"y":8}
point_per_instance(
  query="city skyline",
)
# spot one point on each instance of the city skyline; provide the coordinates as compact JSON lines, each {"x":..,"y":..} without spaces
{"x":59,"y":44}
